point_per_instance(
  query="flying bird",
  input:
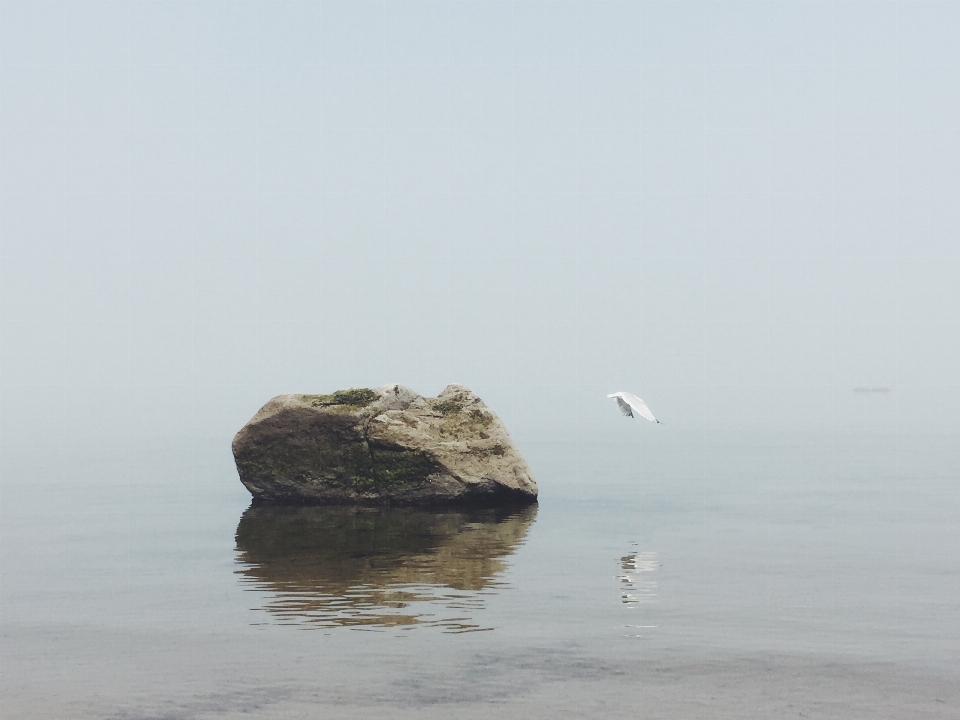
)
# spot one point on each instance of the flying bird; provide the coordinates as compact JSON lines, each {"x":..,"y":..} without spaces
{"x":629,"y":402}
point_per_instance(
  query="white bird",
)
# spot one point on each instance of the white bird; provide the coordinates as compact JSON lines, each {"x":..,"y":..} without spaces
{"x":629,"y":402}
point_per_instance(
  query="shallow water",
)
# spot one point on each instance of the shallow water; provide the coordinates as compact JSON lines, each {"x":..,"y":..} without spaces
{"x":742,"y":577}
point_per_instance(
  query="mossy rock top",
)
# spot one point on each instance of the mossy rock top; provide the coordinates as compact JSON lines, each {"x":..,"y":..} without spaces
{"x":387,"y":445}
{"x":354,"y":397}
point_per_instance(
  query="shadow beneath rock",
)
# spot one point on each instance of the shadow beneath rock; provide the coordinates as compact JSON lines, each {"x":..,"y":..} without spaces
{"x":378,"y":567}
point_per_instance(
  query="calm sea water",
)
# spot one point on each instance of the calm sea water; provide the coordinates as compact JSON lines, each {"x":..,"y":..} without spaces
{"x":736,"y":577}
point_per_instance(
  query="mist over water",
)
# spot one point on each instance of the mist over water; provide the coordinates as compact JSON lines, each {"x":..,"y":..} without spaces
{"x":745,"y":213}
{"x":727,"y":208}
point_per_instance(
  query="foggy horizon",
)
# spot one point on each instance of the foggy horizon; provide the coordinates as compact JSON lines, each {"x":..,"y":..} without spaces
{"x":741,"y":212}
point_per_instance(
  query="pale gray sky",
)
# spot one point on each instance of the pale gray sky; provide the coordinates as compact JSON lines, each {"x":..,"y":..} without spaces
{"x":751,"y":206}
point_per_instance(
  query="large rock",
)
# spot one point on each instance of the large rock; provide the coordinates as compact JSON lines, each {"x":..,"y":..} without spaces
{"x":383,"y":446}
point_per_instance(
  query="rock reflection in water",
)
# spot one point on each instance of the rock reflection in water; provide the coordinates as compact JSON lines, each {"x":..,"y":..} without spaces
{"x":378,"y":567}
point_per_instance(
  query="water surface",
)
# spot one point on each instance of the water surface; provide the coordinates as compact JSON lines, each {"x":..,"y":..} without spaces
{"x":740,"y":577}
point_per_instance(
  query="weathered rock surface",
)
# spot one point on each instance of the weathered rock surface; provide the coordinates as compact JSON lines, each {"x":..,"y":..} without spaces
{"x":383,"y":446}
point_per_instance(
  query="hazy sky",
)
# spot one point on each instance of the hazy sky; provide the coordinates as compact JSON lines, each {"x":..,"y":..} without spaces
{"x":751,"y":206}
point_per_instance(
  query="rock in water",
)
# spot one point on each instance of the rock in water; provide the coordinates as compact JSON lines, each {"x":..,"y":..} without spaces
{"x":383,"y":446}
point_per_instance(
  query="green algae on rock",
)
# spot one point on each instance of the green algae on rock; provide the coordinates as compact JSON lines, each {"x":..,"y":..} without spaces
{"x":381,"y":446}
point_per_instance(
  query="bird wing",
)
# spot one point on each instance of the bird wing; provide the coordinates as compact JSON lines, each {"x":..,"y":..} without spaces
{"x":624,"y":408}
{"x":639,"y":405}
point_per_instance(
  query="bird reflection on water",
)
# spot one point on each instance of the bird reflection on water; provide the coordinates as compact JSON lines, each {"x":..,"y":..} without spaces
{"x":637,"y":586}
{"x":377,"y":568}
